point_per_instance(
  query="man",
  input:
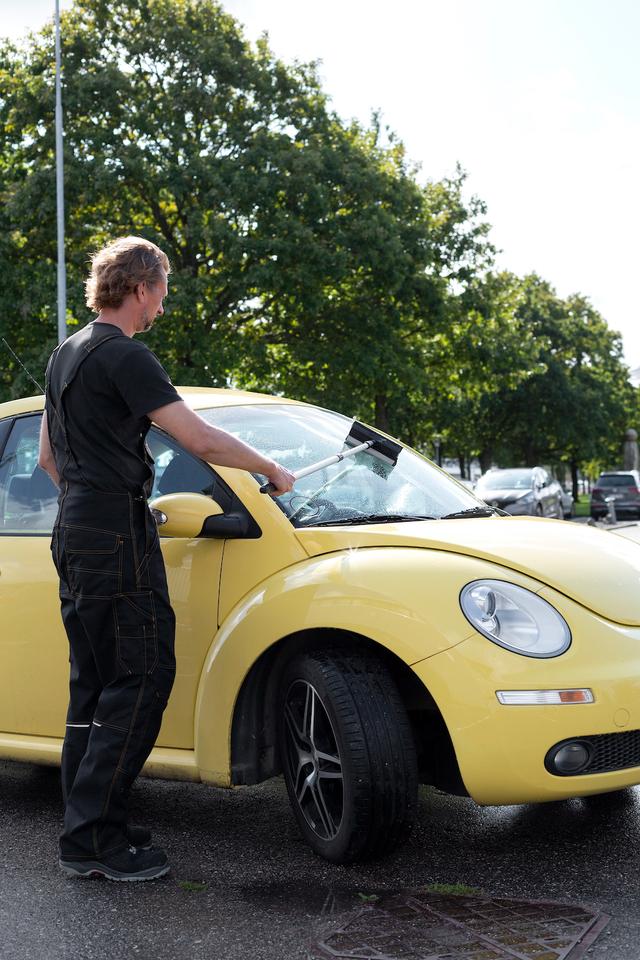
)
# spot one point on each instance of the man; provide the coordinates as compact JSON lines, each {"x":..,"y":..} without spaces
{"x":103,"y":390}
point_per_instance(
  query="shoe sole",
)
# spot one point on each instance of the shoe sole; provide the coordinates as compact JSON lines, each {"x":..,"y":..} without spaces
{"x":94,"y":869}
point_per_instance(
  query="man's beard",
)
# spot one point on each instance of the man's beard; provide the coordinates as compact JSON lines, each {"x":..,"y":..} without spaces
{"x":147,"y":322}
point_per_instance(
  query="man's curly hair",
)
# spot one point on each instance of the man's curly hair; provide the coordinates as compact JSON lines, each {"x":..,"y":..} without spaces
{"x":118,"y":268}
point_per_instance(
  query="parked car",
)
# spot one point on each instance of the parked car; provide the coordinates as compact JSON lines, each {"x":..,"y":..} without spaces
{"x":521,"y":491}
{"x":375,"y":628}
{"x":624,"y":487}
{"x":567,"y":503}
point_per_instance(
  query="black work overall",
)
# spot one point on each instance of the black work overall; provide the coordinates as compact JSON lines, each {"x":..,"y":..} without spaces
{"x":120,"y":625}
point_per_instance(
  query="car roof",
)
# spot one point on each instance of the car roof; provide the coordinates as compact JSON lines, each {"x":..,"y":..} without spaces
{"x":198,"y":398}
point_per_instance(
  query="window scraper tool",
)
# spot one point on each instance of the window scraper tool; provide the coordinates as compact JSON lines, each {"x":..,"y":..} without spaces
{"x":359,"y":439}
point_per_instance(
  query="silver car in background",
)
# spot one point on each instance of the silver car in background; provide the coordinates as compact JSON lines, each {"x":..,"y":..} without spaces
{"x":522,"y":491}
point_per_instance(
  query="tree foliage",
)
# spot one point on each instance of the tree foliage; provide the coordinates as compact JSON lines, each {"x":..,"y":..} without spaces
{"x":307,"y":257}
{"x":545,"y":381}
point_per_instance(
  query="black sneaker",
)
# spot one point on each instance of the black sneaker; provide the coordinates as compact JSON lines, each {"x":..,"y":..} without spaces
{"x":128,"y":864}
{"x":139,"y":837}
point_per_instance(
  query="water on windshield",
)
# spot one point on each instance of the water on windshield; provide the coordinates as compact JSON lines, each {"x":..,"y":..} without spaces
{"x":353,"y":489}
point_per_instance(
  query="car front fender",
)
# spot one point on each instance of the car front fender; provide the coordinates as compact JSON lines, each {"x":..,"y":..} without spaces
{"x":404,"y":599}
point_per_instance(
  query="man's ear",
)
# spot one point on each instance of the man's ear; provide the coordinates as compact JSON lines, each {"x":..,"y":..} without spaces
{"x":140,"y":290}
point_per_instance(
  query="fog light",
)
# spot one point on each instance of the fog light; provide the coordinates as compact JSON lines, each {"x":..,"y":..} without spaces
{"x":570,"y":757}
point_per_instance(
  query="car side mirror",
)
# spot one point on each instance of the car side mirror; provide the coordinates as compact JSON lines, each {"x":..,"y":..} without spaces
{"x":184,"y":514}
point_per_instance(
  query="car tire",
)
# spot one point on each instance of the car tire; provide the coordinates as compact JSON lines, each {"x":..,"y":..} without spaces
{"x":348,"y":754}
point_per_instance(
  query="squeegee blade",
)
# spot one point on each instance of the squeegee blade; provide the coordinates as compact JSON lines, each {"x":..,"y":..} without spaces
{"x":381,"y":447}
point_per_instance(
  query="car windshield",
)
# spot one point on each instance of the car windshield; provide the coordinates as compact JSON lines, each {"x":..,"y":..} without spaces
{"x":360,"y":489}
{"x":506,"y":480}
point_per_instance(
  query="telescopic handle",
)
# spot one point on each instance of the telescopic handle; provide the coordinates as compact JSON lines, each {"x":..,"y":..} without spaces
{"x":314,"y":467}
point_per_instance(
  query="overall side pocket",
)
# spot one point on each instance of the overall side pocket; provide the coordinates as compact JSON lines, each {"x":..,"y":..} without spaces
{"x":92,"y":562}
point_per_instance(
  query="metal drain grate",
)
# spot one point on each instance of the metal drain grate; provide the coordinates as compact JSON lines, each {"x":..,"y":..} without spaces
{"x":431,"y":926}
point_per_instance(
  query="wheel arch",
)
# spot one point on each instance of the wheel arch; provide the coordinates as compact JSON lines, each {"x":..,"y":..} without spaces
{"x":351,"y":594}
{"x":254,"y":750}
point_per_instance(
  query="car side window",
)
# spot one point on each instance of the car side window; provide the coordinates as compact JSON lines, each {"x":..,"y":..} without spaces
{"x":28,"y":497}
{"x":177,"y":471}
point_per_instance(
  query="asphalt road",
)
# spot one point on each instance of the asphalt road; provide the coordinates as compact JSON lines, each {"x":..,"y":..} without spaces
{"x":244,"y":886}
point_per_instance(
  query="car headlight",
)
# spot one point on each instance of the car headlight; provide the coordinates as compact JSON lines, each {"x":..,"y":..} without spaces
{"x":515,"y":618}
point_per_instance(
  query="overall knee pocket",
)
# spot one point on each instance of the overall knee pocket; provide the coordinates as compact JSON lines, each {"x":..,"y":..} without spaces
{"x":136,"y":631}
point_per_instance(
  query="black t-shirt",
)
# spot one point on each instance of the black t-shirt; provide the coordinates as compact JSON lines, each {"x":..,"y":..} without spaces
{"x":106,"y":406}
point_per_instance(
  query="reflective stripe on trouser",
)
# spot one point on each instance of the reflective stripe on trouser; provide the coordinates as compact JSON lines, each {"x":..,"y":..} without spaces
{"x":121,"y":628}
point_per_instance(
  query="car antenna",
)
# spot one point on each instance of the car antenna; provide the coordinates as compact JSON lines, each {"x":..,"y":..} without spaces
{"x":14,"y":354}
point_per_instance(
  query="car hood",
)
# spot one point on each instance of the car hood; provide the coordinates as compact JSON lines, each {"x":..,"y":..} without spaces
{"x":598,"y":570}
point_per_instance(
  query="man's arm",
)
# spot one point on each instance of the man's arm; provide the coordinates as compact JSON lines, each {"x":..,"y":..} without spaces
{"x":217,"y":446}
{"x":45,"y":455}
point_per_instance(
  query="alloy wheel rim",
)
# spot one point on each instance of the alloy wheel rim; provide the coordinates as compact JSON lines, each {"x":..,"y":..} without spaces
{"x":313,"y":760}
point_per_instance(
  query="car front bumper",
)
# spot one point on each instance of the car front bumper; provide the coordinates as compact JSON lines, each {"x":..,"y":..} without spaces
{"x":501,"y":749}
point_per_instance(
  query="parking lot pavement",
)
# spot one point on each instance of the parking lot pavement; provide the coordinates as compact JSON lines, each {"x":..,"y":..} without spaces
{"x":243,"y":886}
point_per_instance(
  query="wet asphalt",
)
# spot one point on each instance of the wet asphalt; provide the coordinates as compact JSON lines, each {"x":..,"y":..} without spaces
{"x":243,"y":885}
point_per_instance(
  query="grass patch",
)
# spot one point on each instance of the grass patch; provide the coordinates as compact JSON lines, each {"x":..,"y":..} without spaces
{"x":581,"y":505}
{"x":368,"y":897}
{"x":193,"y":886}
{"x":457,"y":889}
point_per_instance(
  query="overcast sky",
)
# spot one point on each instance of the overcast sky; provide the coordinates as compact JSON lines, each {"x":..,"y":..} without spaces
{"x":539,"y":100}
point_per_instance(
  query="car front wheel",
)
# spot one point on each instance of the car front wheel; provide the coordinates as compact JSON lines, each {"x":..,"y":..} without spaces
{"x":348,"y":754}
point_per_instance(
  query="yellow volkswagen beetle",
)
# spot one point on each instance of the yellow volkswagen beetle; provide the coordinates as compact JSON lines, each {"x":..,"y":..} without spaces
{"x":377,"y":628}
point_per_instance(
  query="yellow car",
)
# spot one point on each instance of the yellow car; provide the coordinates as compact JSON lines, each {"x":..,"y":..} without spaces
{"x":377,"y":628}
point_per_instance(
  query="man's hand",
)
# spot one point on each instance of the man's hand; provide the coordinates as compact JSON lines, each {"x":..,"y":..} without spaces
{"x":282,"y":479}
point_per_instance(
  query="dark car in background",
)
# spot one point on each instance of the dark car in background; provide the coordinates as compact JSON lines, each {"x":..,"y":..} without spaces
{"x":522,"y":491}
{"x":623,"y":486}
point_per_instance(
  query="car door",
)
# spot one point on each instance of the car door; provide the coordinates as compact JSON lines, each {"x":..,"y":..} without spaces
{"x":193,"y":573}
{"x":546,"y":494}
{"x":553,"y":492}
{"x":33,"y":645}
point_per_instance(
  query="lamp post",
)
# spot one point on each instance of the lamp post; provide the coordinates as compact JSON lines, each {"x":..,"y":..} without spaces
{"x":62,"y":276}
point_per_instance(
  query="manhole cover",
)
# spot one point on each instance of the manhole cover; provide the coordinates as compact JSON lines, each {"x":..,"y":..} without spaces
{"x":432,"y":926}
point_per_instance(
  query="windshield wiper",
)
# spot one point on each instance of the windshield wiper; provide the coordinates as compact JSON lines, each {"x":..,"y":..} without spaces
{"x":368,"y":518}
{"x":471,"y":512}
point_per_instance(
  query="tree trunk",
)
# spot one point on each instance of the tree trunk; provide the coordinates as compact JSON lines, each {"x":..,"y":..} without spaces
{"x":530,"y":456}
{"x":461,"y":462}
{"x":486,"y":459}
{"x":382,"y":414}
{"x":574,"y":479}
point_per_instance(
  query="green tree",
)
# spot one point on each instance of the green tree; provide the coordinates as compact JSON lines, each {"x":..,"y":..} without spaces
{"x":575,"y":406}
{"x":483,"y":354}
{"x":306,"y":257}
